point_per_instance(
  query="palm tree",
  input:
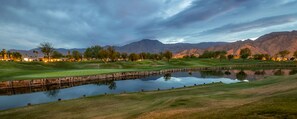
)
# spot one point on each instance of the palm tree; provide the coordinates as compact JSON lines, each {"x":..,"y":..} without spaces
{"x":35,"y":52}
{"x":8,"y":55}
{"x":46,"y":48}
{"x":3,"y":53}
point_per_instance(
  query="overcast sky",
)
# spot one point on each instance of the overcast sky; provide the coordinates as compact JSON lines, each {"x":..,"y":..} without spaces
{"x":82,"y":23}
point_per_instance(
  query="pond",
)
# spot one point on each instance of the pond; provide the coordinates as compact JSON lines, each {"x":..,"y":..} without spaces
{"x":12,"y":98}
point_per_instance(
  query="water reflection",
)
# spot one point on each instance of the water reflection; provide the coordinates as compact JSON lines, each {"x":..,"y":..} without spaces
{"x":211,"y":73}
{"x":110,"y":83}
{"x":279,"y":72}
{"x":241,"y":75}
{"x":167,"y":76}
{"x":10,"y":98}
{"x":293,"y":72}
{"x":227,"y":72}
{"x":260,"y":72}
{"x":52,"y":93}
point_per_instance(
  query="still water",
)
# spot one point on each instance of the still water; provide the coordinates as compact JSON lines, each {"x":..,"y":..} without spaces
{"x":10,"y":99}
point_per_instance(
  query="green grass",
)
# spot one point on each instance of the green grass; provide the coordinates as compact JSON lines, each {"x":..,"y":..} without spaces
{"x":33,"y":70}
{"x":273,"y":97}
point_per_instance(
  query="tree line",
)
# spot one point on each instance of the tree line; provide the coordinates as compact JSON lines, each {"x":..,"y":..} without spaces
{"x":244,"y":54}
{"x":10,"y":55}
{"x":108,"y":54}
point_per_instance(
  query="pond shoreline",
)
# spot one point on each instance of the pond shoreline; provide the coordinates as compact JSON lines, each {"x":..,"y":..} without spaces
{"x":79,"y":80}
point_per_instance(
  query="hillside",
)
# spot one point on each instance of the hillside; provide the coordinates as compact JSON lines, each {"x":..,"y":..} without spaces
{"x":194,"y":52}
{"x":155,"y":46}
{"x":271,"y":44}
{"x":145,"y":45}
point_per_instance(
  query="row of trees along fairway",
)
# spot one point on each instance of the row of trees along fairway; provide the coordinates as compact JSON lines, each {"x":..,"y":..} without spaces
{"x":96,"y":52}
{"x":244,"y":54}
{"x":8,"y":55}
{"x":110,"y":54}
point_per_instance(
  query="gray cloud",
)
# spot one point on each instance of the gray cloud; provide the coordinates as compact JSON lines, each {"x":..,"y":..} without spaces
{"x":202,"y":10}
{"x":260,"y":23}
{"x":81,"y":23}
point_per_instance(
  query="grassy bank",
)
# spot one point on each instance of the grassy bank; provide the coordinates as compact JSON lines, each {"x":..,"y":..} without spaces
{"x":33,"y":70}
{"x":273,"y":97}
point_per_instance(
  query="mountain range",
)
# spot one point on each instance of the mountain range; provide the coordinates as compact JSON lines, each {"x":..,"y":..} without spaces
{"x":155,"y":46}
{"x":270,"y":44}
{"x":145,"y":45}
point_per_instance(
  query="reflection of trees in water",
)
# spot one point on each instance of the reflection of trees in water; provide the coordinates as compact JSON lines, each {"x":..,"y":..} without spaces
{"x":279,"y":72}
{"x":227,"y":72}
{"x":292,"y":72}
{"x":190,"y":73}
{"x":112,"y":86}
{"x":260,"y":72}
{"x":241,"y":75}
{"x":52,"y":93}
{"x":110,"y":83}
{"x":167,"y":76}
{"x":209,"y":73}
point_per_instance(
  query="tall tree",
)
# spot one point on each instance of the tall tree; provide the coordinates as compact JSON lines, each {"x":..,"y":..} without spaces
{"x":156,"y":56}
{"x":16,"y":56}
{"x":284,"y":53}
{"x":9,"y":55}
{"x":3,"y":54}
{"x":133,"y":57}
{"x":168,"y":55}
{"x":143,"y":55}
{"x":93,"y":52}
{"x":124,"y":56}
{"x":245,"y":53}
{"x":76,"y":55}
{"x":69,"y":55}
{"x":112,"y":54}
{"x":230,"y":57}
{"x":35,"y":52}
{"x":47,"y":49}
{"x":222,"y":55}
{"x":103,"y":55}
{"x":57,"y":54}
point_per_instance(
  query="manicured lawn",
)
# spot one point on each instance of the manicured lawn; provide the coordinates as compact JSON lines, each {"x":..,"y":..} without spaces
{"x":33,"y":70}
{"x":273,"y":97}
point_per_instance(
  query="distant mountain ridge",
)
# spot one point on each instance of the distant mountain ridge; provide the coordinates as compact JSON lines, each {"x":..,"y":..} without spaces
{"x":155,"y":46}
{"x":145,"y":45}
{"x":271,"y":44}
